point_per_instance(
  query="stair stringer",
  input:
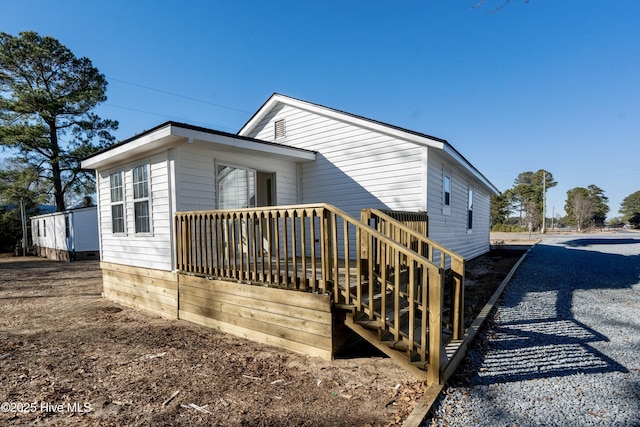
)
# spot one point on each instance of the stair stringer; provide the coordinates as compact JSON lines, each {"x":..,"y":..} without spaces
{"x":398,"y":357}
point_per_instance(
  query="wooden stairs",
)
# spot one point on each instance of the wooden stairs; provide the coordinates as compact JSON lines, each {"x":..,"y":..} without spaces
{"x":385,"y":315}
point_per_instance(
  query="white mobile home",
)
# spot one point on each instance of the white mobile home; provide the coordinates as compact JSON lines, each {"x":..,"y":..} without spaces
{"x":176,"y":202}
{"x":68,"y":236}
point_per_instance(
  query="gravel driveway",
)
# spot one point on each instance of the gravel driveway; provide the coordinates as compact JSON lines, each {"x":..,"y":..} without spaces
{"x":563,"y":346}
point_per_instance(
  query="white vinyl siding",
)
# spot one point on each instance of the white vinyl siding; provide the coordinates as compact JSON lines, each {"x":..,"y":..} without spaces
{"x":196,"y":177}
{"x":152,"y":250}
{"x":357,"y":168}
{"x":451,"y":230}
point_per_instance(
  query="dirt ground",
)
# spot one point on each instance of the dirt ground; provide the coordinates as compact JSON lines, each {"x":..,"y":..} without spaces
{"x":70,"y":357}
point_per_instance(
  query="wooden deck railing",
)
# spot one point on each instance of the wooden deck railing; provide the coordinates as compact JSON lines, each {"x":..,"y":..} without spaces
{"x":410,"y":229}
{"x":311,"y":248}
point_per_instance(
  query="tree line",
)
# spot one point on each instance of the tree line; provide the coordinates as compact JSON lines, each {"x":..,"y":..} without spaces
{"x":522,"y":207}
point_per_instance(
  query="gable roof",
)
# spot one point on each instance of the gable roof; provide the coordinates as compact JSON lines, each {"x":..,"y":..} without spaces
{"x":170,"y":134}
{"x":364,"y":122}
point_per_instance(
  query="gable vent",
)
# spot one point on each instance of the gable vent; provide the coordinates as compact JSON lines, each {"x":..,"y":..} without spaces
{"x":280,"y":130}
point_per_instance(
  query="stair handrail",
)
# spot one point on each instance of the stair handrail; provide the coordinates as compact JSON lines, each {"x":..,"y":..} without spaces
{"x":457,"y":267}
{"x":421,"y":237}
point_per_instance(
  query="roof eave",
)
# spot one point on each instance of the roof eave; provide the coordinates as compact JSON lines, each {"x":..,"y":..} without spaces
{"x":475,"y":172}
{"x":172,"y":134}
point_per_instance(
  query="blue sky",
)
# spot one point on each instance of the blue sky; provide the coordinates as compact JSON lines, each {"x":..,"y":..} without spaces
{"x":549,"y":84}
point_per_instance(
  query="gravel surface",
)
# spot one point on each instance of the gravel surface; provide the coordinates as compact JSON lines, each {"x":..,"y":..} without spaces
{"x":563,"y":346}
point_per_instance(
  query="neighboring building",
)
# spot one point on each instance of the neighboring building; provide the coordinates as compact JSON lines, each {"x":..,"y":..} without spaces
{"x":68,"y":236}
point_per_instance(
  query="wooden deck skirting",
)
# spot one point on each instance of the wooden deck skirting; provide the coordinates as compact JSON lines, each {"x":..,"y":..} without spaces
{"x":296,"y":321}
{"x":300,"y":322}
{"x":154,"y":291}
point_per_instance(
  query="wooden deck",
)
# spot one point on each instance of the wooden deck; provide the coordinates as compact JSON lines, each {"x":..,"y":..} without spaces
{"x":381,"y":272}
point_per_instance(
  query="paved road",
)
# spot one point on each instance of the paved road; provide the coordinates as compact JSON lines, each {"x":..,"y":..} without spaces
{"x":563,"y":348}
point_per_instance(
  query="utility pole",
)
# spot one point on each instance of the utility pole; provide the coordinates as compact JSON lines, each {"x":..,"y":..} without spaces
{"x":23,"y":218}
{"x":544,"y":200}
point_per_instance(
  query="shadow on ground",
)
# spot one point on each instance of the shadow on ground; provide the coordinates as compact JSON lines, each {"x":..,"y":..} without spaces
{"x":535,"y":334}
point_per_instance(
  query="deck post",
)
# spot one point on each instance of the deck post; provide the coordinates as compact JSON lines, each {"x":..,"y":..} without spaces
{"x":436,"y":301}
{"x":457,"y":272}
{"x":365,"y":217}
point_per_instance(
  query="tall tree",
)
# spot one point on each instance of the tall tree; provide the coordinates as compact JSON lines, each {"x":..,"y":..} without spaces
{"x":600,"y":206}
{"x":500,"y":208}
{"x":19,"y":181}
{"x":630,"y":206}
{"x":579,"y":207}
{"x":528,"y":195}
{"x":47,"y":98}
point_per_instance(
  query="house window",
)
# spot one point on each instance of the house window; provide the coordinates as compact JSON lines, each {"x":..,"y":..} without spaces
{"x":141,"y":205}
{"x":446,"y":193}
{"x":117,"y":202}
{"x":236,"y":188}
{"x":38,"y":227}
{"x":470,"y":210}
{"x":279,"y":129}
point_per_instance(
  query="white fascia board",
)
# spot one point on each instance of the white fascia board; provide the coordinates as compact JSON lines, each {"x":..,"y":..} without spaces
{"x":462,"y":161}
{"x":228,"y":141}
{"x":131,"y":147}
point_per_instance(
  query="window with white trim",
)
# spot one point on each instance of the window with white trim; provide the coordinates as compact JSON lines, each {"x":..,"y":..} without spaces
{"x":446,"y":192}
{"x":141,"y":199}
{"x":470,"y":210}
{"x":117,"y":202}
